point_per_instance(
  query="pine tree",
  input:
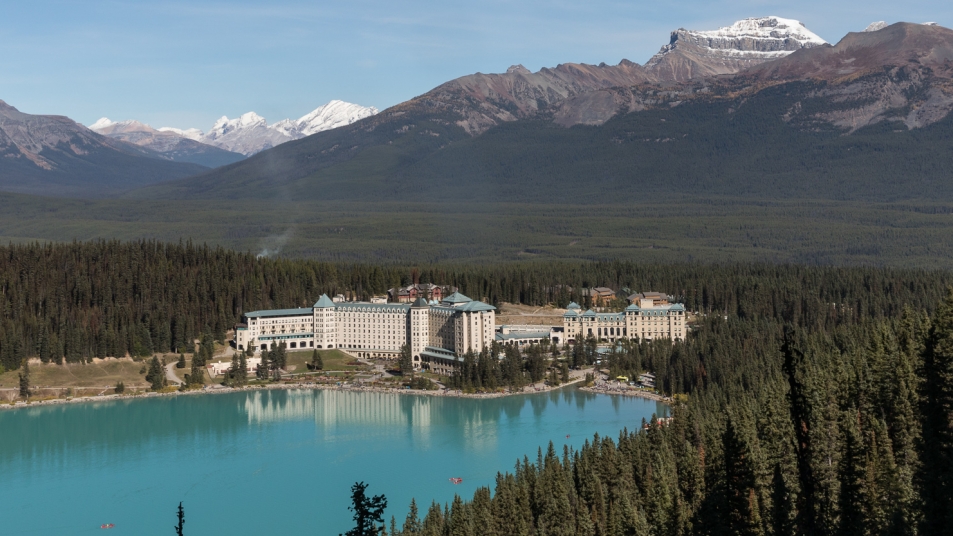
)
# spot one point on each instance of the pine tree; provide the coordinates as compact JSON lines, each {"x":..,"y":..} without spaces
{"x":405,"y":361}
{"x":412,"y":525}
{"x":368,"y":511}
{"x":25,"y":380}
{"x":196,"y":375}
{"x":936,"y":476}
{"x":156,"y":374}
{"x":316,"y":362}
{"x":241,"y":375}
{"x":181,"y":362}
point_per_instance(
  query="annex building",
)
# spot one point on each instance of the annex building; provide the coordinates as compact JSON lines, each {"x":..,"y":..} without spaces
{"x":437,"y":331}
{"x":648,"y":318}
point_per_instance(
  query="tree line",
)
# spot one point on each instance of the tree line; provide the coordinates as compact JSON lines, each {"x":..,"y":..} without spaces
{"x":73,"y":302}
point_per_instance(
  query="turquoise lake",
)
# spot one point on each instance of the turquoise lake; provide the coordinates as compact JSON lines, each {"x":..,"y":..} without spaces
{"x":276,"y":461}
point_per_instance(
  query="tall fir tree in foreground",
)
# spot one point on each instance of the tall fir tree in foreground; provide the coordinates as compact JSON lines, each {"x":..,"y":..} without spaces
{"x":936,"y":477}
{"x":368,"y":511}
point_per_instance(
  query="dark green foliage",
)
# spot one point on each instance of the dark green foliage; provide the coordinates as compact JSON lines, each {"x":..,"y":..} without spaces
{"x":24,"y":378}
{"x":316,"y":362}
{"x":156,"y":374}
{"x":806,"y":430}
{"x":368,"y":511}
{"x":937,"y":413}
{"x":405,"y":361}
{"x":120,"y":388}
{"x":181,"y":517}
{"x":196,"y":375}
{"x":420,"y":382}
{"x":181,"y":362}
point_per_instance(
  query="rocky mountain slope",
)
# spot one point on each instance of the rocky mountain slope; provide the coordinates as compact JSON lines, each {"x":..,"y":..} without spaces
{"x":744,"y":44}
{"x":54,"y":155}
{"x":171,"y":145}
{"x":491,"y":136}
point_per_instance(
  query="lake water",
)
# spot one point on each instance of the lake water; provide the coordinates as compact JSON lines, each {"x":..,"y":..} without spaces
{"x":278,"y":461}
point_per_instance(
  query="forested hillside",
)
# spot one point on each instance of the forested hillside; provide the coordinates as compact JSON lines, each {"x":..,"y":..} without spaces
{"x":834,"y":427}
{"x":810,"y":400}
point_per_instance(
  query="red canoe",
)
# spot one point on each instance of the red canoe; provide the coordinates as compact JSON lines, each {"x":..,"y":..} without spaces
{"x":456,"y":480}
{"x":107,"y":526}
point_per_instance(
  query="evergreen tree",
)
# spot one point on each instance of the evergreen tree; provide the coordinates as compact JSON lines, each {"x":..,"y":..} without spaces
{"x":196,"y":375}
{"x":368,"y":511}
{"x":405,"y":361}
{"x":316,"y":362}
{"x":241,"y":375}
{"x":936,"y":476}
{"x":181,"y":362}
{"x":156,"y":374}
{"x":412,"y":525}
{"x":25,"y":380}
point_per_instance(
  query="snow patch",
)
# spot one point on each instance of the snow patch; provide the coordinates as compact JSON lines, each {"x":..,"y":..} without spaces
{"x":874,"y":26}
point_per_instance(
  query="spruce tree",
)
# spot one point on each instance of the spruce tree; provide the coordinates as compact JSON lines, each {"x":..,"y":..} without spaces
{"x":405,"y":361}
{"x":316,"y":362}
{"x":412,"y":525}
{"x":368,"y":511}
{"x":181,"y":362}
{"x":25,"y":380}
{"x":936,"y":476}
{"x":241,"y":375}
{"x":156,"y":374}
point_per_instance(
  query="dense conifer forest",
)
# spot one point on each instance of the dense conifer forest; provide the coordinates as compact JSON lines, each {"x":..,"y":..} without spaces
{"x":809,"y":400}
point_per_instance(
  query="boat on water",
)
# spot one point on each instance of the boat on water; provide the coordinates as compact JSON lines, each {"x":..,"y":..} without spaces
{"x":107,"y":526}
{"x":456,"y":480}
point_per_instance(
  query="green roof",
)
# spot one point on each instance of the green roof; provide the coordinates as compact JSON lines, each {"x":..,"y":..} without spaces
{"x":281,"y":312}
{"x":324,"y":301}
{"x":456,"y":297}
{"x":573,"y":305}
{"x":475,"y":306}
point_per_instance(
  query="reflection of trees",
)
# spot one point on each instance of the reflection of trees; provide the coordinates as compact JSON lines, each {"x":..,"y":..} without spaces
{"x":103,"y":428}
{"x":52,"y":432}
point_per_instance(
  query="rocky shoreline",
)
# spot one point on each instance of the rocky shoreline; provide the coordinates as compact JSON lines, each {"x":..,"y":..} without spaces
{"x":358,"y":387}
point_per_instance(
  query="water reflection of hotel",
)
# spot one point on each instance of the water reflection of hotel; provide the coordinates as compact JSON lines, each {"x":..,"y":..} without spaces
{"x":374,"y":411}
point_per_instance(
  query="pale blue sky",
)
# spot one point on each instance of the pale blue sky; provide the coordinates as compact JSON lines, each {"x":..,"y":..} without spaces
{"x":186,"y":63}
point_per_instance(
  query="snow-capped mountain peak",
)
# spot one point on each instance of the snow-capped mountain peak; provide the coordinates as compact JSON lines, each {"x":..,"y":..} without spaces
{"x":101,"y":123}
{"x":874,"y":26}
{"x":250,"y":133}
{"x":190,"y":133}
{"x":730,"y":49}
{"x":776,"y":34}
{"x":332,"y":115}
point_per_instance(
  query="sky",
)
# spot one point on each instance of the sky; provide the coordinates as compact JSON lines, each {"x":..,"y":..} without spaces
{"x":186,"y":63}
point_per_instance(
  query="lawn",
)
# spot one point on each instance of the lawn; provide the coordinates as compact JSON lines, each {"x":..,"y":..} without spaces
{"x":102,"y":373}
{"x":334,"y":360}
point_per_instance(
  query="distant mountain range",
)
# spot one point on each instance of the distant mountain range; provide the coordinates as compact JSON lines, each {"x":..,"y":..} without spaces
{"x":774,"y":128}
{"x":246,"y":135}
{"x":54,"y":155}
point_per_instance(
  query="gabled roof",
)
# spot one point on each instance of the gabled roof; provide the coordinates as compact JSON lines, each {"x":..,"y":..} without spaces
{"x":573,"y":305}
{"x":456,"y":297}
{"x":420,"y":302}
{"x":323,"y":301}
{"x":590,"y":312}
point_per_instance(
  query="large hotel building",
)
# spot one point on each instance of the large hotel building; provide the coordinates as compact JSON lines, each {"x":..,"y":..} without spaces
{"x":437,"y":332}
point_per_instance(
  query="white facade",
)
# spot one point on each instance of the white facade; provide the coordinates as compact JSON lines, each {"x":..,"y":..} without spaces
{"x":457,"y":324}
{"x":645,"y":321}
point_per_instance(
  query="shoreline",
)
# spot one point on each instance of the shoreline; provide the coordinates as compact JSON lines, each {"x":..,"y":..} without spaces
{"x":351,"y":387}
{"x":609,"y":390}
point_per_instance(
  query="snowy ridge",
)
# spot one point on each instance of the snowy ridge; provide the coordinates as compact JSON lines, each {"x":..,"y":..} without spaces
{"x":759,"y":39}
{"x":250,"y":133}
{"x":785,"y":34}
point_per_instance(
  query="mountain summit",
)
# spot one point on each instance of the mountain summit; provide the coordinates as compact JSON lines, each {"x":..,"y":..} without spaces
{"x":251,"y":133}
{"x":727,"y":50}
{"x":170,"y":144}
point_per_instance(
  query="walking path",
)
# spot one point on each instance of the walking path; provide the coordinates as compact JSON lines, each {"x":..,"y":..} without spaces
{"x":170,"y":374}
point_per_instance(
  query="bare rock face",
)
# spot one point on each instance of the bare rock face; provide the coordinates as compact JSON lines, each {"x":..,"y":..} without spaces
{"x":744,"y":44}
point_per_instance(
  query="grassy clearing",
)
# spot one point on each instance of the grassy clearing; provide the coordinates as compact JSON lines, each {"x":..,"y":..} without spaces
{"x":98,"y":374}
{"x":334,"y":360}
